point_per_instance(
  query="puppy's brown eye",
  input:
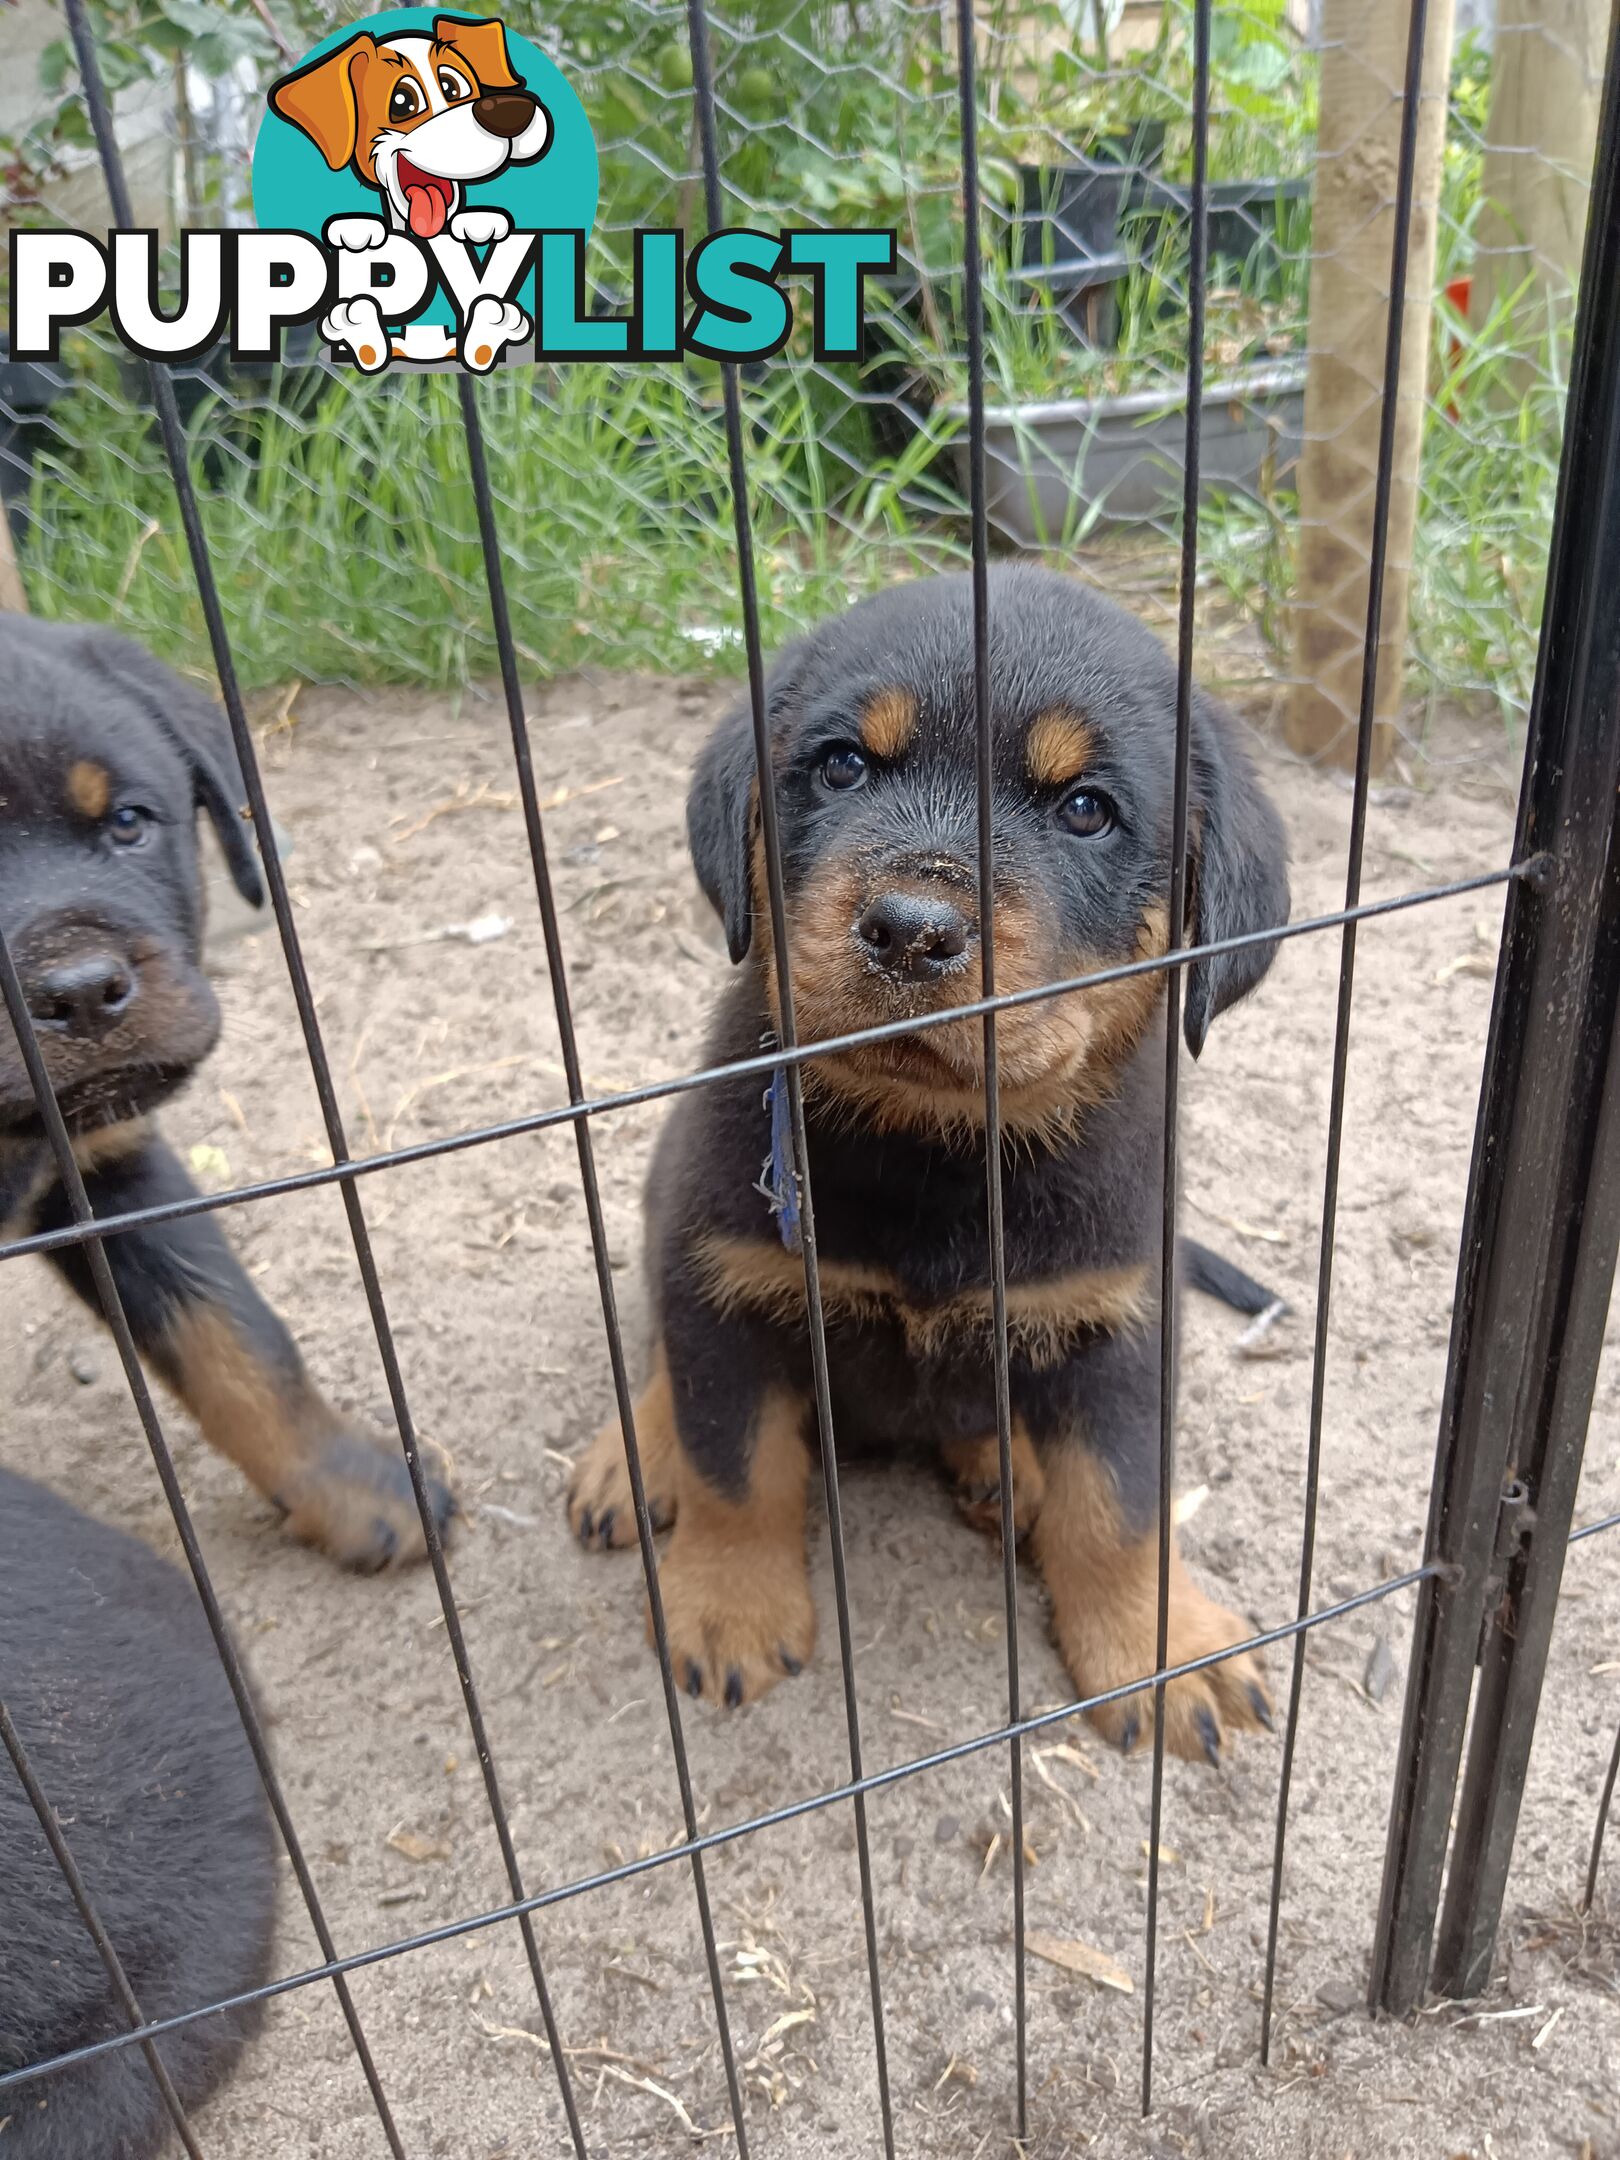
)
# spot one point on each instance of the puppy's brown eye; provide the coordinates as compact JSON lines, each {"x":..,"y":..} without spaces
{"x":1086,"y":814}
{"x":129,"y":825}
{"x":843,"y":767}
{"x":405,"y":103}
{"x":452,"y":85}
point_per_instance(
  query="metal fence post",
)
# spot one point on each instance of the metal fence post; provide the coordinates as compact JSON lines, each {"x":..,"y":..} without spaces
{"x":1543,"y":1216}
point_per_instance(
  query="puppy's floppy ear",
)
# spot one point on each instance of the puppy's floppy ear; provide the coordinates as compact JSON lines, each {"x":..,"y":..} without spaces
{"x":482,"y":44}
{"x":198,"y":729}
{"x":722,"y":815}
{"x":1238,"y":873}
{"x":321,"y":100}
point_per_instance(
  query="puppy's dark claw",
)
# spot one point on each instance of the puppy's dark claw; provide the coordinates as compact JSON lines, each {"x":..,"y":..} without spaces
{"x":734,"y":1689}
{"x":694,"y":1678}
{"x":1128,"y":1733}
{"x":658,"y":1515}
{"x":1261,"y":1708}
{"x":604,"y":1529}
{"x":587,"y":1526}
{"x":791,"y":1665}
{"x":1210,"y":1733}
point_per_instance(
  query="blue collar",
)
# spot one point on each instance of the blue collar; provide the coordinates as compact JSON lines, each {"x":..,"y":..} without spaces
{"x":779,"y":1177}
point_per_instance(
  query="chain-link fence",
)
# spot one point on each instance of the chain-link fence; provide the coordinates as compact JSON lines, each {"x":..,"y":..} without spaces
{"x":312,"y":481}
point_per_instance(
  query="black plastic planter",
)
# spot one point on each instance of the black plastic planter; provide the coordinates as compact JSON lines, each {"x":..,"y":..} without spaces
{"x":1069,"y":214}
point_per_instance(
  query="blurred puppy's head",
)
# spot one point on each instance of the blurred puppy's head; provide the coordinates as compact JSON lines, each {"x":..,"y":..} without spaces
{"x":873,"y":735}
{"x":106,"y":758}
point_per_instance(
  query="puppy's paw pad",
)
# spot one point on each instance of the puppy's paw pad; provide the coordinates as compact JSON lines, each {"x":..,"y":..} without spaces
{"x":736,"y":1624}
{"x":358,"y":326}
{"x":480,"y":228}
{"x":492,"y":325}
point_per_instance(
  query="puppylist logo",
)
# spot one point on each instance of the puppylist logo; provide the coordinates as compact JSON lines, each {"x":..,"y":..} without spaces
{"x":425,"y":186}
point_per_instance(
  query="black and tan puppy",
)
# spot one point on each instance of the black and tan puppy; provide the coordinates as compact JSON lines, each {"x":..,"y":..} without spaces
{"x":115,"y":1689}
{"x":873,"y":734}
{"x":105,"y":760}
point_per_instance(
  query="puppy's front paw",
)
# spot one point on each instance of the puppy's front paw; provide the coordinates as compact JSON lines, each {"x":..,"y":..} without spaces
{"x":357,"y":1504}
{"x":739,"y":1619}
{"x":492,"y":325}
{"x":601,"y":1512}
{"x":355,"y":235}
{"x":358,"y":325}
{"x":1109,"y":1641}
{"x":480,"y":228}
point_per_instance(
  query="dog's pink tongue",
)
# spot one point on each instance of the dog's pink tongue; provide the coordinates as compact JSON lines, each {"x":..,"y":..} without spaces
{"x":426,"y":207}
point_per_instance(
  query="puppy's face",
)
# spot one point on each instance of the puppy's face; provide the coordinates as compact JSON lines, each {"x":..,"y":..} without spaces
{"x":875,"y":746}
{"x":102,"y":757}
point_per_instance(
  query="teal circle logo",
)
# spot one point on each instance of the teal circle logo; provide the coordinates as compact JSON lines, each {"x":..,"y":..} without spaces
{"x":435,"y":126}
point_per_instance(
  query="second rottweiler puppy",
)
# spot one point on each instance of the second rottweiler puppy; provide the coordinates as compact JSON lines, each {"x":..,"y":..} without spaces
{"x":106,"y":758}
{"x":872,"y":726}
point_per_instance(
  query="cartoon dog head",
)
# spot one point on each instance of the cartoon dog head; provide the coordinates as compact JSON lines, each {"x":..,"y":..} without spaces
{"x":418,"y":117}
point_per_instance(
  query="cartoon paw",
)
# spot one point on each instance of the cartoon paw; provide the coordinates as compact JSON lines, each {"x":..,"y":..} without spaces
{"x":355,"y":235}
{"x":480,"y":227}
{"x":358,"y":324}
{"x":491,"y":327}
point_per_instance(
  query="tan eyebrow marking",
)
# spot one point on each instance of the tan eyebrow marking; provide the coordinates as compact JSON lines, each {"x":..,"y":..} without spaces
{"x":1059,"y":747}
{"x":888,"y":722}
{"x":89,"y":789}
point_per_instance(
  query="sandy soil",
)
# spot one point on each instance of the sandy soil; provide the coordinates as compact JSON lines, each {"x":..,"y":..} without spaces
{"x":403,"y":823}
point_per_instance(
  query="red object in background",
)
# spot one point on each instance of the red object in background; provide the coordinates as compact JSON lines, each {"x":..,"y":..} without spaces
{"x":1458,"y":293}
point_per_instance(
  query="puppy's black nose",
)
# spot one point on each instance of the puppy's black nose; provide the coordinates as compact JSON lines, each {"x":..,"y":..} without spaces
{"x":84,"y":995}
{"x":504,"y":112}
{"x":915,"y":935}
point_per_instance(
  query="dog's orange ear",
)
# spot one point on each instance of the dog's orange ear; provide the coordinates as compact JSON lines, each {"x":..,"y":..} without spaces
{"x":321,"y":100}
{"x":481,"y":42}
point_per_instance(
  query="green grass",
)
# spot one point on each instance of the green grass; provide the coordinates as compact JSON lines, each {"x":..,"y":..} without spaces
{"x":341,"y":522}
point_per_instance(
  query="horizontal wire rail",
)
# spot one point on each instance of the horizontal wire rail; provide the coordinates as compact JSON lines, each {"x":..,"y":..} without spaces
{"x":774,"y":1818}
{"x":337,"y":1173}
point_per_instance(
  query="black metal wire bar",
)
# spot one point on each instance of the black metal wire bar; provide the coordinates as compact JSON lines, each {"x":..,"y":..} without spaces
{"x":522,"y":751}
{"x":973,"y":306}
{"x":112,"y":1305}
{"x":787,"y":1032}
{"x":1601,"y":1825}
{"x":1541,"y":1227}
{"x":776,"y":1818}
{"x":1593,"y":1529}
{"x":63,"y":1856}
{"x":1400,"y":250}
{"x":174,"y":443}
{"x":1187,"y":602}
{"x":352,"y":1167}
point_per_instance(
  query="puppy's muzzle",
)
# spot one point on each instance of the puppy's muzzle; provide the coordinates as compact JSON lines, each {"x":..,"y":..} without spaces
{"x":915,"y":936}
{"x":83,"y":995}
{"x":504,"y":113}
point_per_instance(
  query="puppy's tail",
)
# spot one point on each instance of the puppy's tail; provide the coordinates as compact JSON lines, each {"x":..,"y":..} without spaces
{"x":1217,"y":1278}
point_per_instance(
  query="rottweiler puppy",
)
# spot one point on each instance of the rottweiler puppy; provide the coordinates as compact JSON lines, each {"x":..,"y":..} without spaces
{"x":874,"y":747}
{"x":115,"y":1689}
{"x":106,"y":758}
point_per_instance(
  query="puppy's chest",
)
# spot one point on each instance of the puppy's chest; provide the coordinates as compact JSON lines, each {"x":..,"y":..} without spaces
{"x":905,"y":1267}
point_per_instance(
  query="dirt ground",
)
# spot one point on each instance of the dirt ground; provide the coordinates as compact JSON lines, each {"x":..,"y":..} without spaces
{"x":403,"y":823}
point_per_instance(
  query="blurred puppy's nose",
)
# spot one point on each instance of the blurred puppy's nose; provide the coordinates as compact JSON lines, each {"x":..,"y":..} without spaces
{"x":505,"y":113}
{"x":915,"y":935}
{"x":85,"y":994}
